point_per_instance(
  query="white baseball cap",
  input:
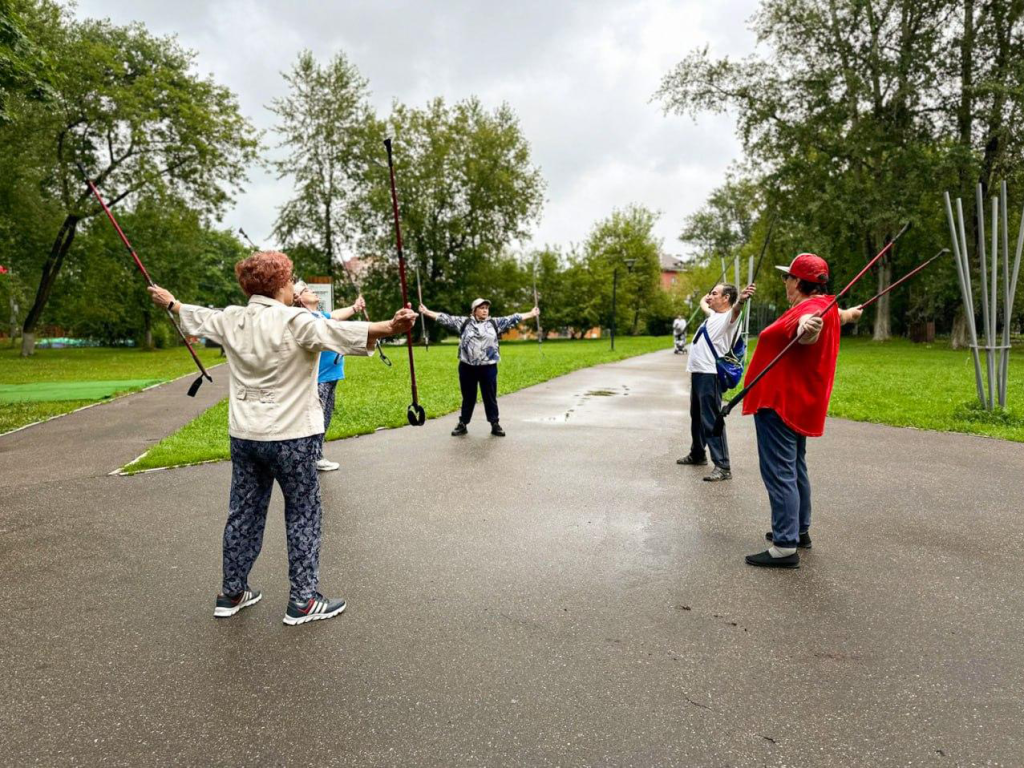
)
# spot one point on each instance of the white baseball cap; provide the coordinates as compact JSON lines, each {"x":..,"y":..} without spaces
{"x":477,"y":302}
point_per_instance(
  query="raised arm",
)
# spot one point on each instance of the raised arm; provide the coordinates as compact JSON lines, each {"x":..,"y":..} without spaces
{"x":346,"y":313}
{"x":745,"y":295}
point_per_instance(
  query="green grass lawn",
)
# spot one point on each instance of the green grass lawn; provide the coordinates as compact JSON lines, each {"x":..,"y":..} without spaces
{"x":89,"y":364}
{"x":928,"y":386}
{"x":374,"y":396}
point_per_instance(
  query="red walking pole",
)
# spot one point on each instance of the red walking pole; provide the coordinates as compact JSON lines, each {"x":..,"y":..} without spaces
{"x":720,"y":419}
{"x":416,"y":415}
{"x":903,"y":279}
{"x":138,"y":263}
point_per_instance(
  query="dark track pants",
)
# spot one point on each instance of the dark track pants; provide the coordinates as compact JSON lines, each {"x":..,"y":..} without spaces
{"x":327,"y":391}
{"x":705,"y":404}
{"x":255,"y":465}
{"x":782,"y":454}
{"x":486,"y":378}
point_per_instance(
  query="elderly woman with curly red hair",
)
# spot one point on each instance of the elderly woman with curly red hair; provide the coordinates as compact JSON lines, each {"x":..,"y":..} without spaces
{"x":275,"y":422}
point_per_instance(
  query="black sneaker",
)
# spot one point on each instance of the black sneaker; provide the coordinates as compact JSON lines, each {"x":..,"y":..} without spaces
{"x":496,"y":429}
{"x":804,"y":543}
{"x":765,"y":560}
{"x":315,"y":608}
{"x":460,"y":430}
{"x":718,"y":474}
{"x":229,"y":605}
{"x":690,"y":460}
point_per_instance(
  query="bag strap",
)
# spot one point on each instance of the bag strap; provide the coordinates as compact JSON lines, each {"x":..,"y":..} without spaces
{"x":707,"y":337}
{"x":492,"y":321}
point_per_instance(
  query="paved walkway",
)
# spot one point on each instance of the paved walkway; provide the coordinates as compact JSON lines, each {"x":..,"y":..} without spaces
{"x":564,"y":596}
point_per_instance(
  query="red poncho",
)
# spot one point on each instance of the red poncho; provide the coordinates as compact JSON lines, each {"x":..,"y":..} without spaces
{"x":798,"y":388}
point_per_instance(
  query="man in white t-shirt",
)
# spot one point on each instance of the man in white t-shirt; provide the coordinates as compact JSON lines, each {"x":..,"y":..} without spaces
{"x":723,"y":308}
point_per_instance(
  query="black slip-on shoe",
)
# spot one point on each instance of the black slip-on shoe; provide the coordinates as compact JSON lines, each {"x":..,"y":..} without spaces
{"x":804,"y":543}
{"x":718,"y":474}
{"x":229,"y":605}
{"x":496,"y":429}
{"x":765,"y":560}
{"x":459,"y":430}
{"x":691,"y":461}
{"x":314,"y":609}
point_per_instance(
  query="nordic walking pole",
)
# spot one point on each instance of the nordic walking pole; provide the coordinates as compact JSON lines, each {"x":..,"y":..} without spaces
{"x":720,"y":419}
{"x":902,"y":280}
{"x":248,"y":239}
{"x":351,"y":278}
{"x":149,"y":281}
{"x":416,"y":415}
{"x":536,"y":303}
{"x":423,"y":318}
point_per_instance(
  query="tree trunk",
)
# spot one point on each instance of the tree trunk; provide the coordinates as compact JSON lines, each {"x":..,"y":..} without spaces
{"x":147,"y":339}
{"x":882,"y":314}
{"x":960,"y":338}
{"x":51,"y":269}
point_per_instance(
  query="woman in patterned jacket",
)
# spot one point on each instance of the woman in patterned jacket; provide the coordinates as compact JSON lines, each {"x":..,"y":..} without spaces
{"x":479,"y":357}
{"x":275,"y":422}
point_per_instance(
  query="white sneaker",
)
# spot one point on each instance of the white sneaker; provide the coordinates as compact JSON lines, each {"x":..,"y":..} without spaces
{"x":326,"y":466}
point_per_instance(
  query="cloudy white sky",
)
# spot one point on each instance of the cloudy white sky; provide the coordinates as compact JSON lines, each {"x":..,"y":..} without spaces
{"x":580,"y":76}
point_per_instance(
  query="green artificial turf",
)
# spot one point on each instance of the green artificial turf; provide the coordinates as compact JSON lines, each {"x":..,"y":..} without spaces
{"x":115,"y":371}
{"x":374,"y":396}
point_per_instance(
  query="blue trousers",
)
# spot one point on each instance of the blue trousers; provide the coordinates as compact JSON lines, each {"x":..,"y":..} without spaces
{"x":782,"y":453}
{"x":486,"y":378}
{"x":705,"y":404}
{"x":255,"y":465}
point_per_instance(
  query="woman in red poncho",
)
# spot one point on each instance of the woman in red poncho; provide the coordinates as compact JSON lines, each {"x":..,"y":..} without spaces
{"x":789,"y":404}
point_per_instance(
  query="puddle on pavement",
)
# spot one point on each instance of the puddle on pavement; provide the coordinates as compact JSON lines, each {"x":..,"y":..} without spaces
{"x":601,"y":393}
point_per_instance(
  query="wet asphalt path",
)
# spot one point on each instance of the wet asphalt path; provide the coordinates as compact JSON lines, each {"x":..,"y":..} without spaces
{"x":564,"y":596}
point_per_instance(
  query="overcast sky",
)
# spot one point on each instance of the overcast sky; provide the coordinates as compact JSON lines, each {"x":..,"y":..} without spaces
{"x":579,"y":75}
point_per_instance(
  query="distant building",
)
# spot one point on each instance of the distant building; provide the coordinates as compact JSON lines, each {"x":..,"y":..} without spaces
{"x":671,"y":266}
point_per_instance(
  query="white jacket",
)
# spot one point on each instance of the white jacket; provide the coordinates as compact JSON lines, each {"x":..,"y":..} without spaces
{"x":272,"y":353}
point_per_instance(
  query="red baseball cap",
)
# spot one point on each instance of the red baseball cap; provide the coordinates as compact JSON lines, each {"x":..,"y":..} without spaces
{"x":809,"y":267}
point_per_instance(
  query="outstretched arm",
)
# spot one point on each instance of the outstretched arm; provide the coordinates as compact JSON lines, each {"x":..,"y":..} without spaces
{"x":429,"y":313}
{"x":195,"y":320}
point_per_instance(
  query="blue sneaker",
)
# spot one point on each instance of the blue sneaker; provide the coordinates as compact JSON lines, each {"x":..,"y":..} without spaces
{"x":314,"y":609}
{"x":229,"y":605}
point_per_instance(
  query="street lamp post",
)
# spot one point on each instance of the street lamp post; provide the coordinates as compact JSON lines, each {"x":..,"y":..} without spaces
{"x":615,"y":284}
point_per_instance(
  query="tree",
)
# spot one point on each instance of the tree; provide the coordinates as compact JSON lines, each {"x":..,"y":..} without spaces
{"x":627,"y":235}
{"x":466,"y":188}
{"x":322,"y":122}
{"x":25,"y":69}
{"x":838,"y":115}
{"x":130,"y":109}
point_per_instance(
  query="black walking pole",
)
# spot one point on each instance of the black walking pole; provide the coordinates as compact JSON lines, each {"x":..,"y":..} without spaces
{"x":419,"y":293}
{"x":536,"y":303}
{"x":351,"y":278}
{"x":416,"y":415}
{"x":138,"y":263}
{"x":248,"y":239}
{"x":720,"y":418}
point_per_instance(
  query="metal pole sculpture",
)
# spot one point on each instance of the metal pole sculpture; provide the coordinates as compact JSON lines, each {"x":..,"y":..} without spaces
{"x":991,"y":379}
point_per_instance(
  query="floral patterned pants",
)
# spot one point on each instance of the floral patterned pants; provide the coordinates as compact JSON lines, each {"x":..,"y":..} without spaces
{"x":255,"y":465}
